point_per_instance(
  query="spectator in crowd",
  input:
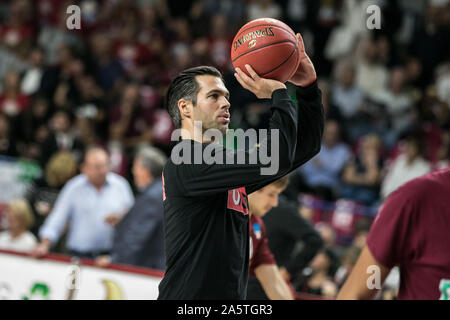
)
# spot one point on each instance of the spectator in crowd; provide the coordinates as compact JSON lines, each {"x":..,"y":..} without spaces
{"x":62,"y":137}
{"x":17,"y":32}
{"x":85,"y":129}
{"x":94,"y":201}
{"x":362,"y":174}
{"x":322,"y":173}
{"x":91,"y":104}
{"x":7,"y":141}
{"x":397,"y":101}
{"x":107,"y":69}
{"x":19,"y":219}
{"x":31,"y":80}
{"x":34,"y":128}
{"x":43,"y":192}
{"x":361,"y":230}
{"x":406,"y":166}
{"x":266,"y":280}
{"x":58,"y":81}
{"x":12,"y":100}
{"x":139,"y":238}
{"x":129,"y":123}
{"x":371,"y":75}
{"x":346,"y":95}
{"x":132,"y":55}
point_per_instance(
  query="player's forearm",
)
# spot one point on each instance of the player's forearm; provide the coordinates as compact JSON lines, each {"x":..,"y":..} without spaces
{"x":311,"y":123}
{"x":278,"y":291}
{"x":273,"y":283}
{"x":284,"y":120}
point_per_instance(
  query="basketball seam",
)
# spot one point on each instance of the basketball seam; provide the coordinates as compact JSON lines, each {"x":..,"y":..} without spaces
{"x":297,"y":64}
{"x":264,"y":46}
{"x":280,"y":64}
{"x":264,"y":25}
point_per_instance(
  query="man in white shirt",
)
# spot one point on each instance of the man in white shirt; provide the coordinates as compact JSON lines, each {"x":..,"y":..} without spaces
{"x":93,"y":202}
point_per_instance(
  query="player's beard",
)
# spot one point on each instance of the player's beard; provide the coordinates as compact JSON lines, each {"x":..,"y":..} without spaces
{"x":212,"y":123}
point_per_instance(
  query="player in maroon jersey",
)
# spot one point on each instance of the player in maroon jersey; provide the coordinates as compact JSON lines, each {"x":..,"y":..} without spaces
{"x":412,"y":230}
{"x":262,"y":262}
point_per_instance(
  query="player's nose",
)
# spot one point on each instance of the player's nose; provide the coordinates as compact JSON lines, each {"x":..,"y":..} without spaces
{"x":225,"y":103}
{"x":275,"y":202}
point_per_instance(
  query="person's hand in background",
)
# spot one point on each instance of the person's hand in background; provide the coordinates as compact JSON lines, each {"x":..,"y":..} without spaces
{"x":41,"y":249}
{"x":103,"y":261}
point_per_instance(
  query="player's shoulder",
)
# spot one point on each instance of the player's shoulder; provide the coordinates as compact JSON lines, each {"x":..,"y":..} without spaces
{"x":426,"y":186}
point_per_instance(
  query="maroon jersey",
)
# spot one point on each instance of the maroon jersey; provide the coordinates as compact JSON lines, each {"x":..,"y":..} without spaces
{"x":412,"y":230}
{"x":259,"y":250}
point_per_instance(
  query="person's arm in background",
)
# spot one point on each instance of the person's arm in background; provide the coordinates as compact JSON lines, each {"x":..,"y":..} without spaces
{"x":147,"y":216}
{"x":271,"y":280}
{"x":358,"y":286}
{"x":127,"y":198}
{"x":370,"y":177}
{"x":55,"y":222}
{"x":299,"y":229}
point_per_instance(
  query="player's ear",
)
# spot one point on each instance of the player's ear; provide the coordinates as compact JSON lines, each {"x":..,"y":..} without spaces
{"x":185,"y":107}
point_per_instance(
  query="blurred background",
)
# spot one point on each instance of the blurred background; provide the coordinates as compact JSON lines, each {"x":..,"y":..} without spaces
{"x":386,"y":93}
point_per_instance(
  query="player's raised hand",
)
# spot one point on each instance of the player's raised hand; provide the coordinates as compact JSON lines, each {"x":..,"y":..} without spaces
{"x":305,"y":74}
{"x":261,"y":87}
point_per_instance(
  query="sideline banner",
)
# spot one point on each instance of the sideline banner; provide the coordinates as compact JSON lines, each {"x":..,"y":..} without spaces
{"x":57,"y":278}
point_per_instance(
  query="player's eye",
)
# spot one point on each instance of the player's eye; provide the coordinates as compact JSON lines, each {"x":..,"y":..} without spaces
{"x":214,"y":96}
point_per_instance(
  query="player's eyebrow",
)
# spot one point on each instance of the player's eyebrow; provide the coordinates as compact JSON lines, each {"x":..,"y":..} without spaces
{"x":223,"y":92}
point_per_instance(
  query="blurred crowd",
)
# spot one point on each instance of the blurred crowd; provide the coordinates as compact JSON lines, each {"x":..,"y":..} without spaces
{"x":386,"y":93}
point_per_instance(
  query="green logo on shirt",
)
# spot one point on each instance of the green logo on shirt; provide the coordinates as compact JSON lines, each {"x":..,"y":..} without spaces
{"x":444,"y":287}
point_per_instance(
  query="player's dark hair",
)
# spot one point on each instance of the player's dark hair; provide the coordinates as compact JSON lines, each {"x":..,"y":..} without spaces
{"x":185,"y":86}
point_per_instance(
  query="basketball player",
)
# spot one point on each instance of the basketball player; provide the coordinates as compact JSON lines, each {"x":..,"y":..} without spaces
{"x":205,"y":205}
{"x":412,"y":230}
{"x":262,"y":261}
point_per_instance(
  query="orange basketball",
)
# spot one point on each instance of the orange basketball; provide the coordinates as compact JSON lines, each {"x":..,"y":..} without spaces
{"x":269,"y":46}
